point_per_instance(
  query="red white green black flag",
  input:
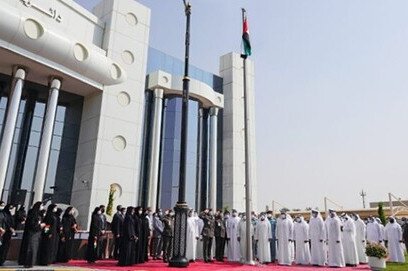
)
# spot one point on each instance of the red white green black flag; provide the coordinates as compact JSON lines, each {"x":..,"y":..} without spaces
{"x":245,"y":36}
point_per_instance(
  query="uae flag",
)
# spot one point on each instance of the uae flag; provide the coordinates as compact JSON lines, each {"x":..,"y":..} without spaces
{"x":245,"y":37}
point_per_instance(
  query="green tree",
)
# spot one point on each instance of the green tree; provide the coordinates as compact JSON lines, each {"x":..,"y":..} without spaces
{"x":381,"y":214}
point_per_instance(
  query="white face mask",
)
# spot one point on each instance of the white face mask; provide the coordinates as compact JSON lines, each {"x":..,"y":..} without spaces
{"x":41,"y":207}
{"x":1,"y":207}
{"x":140,"y":212}
{"x":54,"y":210}
{"x":99,"y":212}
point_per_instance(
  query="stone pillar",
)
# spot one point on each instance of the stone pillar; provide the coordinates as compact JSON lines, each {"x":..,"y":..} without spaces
{"x":199,"y":160}
{"x":46,"y":138}
{"x":213,"y":158}
{"x":155,"y":148}
{"x":10,"y":123}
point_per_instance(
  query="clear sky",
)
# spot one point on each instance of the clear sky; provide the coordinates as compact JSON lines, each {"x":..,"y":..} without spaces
{"x":331,"y":90}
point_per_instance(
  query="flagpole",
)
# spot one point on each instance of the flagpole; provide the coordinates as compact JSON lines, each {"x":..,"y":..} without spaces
{"x":248,"y":188}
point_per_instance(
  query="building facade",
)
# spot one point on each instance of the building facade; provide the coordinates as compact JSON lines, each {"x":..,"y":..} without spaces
{"x":88,"y":108}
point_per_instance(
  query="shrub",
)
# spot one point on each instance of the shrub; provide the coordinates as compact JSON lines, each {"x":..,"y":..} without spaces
{"x":376,"y":250}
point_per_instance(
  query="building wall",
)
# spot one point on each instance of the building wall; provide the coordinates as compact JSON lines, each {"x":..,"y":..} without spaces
{"x":110,"y":140}
{"x":231,"y":70}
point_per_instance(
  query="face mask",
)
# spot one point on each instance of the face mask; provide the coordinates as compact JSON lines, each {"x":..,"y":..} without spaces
{"x":41,"y":208}
{"x":269,"y":216}
{"x":99,"y":212}
{"x":54,"y":210}
{"x":71,"y":212}
{"x":140,"y":212}
{"x":1,"y":207}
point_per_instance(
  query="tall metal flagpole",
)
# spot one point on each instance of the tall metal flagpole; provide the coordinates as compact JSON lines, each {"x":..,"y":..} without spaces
{"x":180,"y":222}
{"x":248,"y":188}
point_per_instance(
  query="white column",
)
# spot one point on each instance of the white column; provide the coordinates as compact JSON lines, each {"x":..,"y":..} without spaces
{"x":155,"y":148}
{"x":45,"y":147}
{"x":213,"y":158}
{"x":10,"y":123}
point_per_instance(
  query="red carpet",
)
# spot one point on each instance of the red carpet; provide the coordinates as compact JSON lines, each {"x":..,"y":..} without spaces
{"x":216,"y":266}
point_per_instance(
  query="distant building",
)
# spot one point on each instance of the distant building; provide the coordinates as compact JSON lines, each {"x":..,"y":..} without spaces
{"x":387,"y":203}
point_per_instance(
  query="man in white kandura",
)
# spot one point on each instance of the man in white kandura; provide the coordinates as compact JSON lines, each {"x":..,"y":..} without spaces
{"x":263,"y":237}
{"x":192,"y":237}
{"x":335,"y":246}
{"x":301,"y":237}
{"x":284,"y":236}
{"x":233,"y":253}
{"x":374,"y":234}
{"x":199,"y":245}
{"x":360,"y":238}
{"x":317,"y":232}
{"x":242,"y":237}
{"x":382,"y":227}
{"x":393,"y":236}
{"x":349,"y":241}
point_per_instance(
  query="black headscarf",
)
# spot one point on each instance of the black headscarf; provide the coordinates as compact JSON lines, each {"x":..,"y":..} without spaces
{"x":67,"y":211}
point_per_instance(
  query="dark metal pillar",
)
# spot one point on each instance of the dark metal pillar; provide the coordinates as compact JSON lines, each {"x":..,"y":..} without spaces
{"x":180,"y":224}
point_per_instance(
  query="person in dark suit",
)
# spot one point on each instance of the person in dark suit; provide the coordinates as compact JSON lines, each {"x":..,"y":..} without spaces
{"x":168,"y":229}
{"x":207,"y":234}
{"x":220,"y":234}
{"x":157,"y":234}
{"x":31,"y":237}
{"x":127,"y":255}
{"x":102,"y":240}
{"x":117,"y":228}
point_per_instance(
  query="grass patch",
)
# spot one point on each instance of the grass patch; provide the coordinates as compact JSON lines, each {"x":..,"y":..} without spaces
{"x":398,"y":266}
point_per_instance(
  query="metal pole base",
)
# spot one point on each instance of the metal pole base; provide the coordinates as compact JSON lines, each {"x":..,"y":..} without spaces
{"x":180,"y":231}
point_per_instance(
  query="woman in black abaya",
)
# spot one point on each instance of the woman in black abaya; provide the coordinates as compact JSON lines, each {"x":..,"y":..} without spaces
{"x":129,"y":238}
{"x":31,"y":237}
{"x":9,"y":228}
{"x":69,"y":228}
{"x":48,"y":244}
{"x":95,"y":233}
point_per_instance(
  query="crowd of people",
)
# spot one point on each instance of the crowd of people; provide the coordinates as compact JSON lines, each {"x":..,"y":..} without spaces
{"x":336,"y":241}
{"x":48,"y":234}
{"x":138,"y":233}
